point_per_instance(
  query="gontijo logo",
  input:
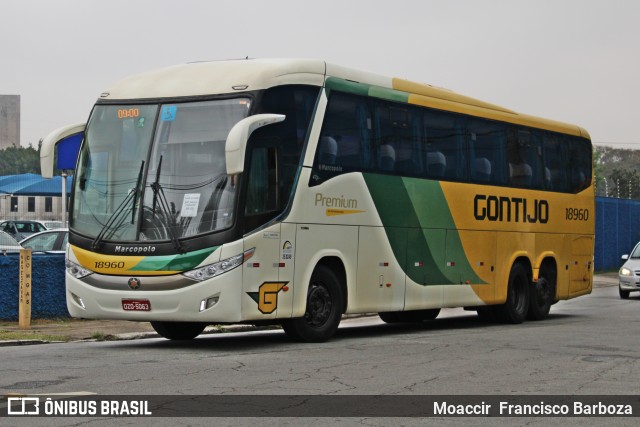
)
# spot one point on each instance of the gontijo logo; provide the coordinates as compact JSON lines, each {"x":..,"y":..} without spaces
{"x":267,"y":296}
{"x":510,"y":209}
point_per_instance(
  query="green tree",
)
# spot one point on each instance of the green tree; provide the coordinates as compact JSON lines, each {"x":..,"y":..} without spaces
{"x":18,"y":160}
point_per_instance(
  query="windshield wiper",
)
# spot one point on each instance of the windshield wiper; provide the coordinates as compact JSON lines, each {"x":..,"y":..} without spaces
{"x":118,"y":214}
{"x":167,"y":212}
{"x":135,"y":194}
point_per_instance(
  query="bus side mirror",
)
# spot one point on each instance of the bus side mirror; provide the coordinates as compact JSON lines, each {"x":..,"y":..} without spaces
{"x":625,"y":257}
{"x":47,"y":149}
{"x":236,"y":144}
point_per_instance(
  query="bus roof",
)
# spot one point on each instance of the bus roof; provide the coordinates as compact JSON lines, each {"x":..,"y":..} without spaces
{"x":236,"y":76}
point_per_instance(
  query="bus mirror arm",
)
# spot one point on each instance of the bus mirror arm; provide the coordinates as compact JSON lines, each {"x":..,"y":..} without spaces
{"x":236,"y":144}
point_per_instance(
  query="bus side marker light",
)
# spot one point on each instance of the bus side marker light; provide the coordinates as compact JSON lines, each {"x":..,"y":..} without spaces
{"x":285,"y":288}
{"x":388,"y":285}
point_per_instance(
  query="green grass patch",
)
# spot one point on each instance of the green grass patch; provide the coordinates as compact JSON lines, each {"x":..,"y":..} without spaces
{"x":101,"y":336}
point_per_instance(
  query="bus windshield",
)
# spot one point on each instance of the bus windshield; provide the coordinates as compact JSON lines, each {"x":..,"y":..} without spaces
{"x":156,"y":172}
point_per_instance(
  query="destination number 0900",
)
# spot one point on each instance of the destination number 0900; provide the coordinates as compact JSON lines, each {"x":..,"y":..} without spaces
{"x":575,"y":214}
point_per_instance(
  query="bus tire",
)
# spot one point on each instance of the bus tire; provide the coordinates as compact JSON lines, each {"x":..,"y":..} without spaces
{"x":543,"y":293}
{"x":324,"y":309}
{"x":515,"y":308}
{"x":179,"y":331}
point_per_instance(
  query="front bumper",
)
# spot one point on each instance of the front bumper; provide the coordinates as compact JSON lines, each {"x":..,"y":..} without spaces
{"x":173,"y":303}
{"x":629,"y":283}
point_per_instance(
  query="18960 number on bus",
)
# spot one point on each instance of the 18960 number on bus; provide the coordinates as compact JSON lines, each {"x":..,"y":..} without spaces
{"x":575,"y":214}
{"x":107,"y":264}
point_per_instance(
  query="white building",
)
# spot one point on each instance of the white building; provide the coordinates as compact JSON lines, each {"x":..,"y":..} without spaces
{"x":30,"y":207}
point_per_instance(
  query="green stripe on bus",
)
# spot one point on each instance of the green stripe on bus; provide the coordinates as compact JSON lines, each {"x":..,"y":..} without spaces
{"x":362,"y":89}
{"x":389,"y":94}
{"x":420,"y":229}
{"x":342,"y":85}
{"x":184,"y":262}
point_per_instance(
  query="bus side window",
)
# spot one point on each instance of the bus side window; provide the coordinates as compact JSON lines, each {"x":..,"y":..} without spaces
{"x":398,"y":136}
{"x":581,"y":161}
{"x":262,"y":188}
{"x":488,"y":147}
{"x":525,"y":158}
{"x":556,"y":160}
{"x":297,"y":104}
{"x":344,"y":144}
{"x":445,"y":145}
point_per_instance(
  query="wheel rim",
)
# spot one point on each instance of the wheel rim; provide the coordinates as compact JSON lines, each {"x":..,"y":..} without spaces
{"x":319,"y":305}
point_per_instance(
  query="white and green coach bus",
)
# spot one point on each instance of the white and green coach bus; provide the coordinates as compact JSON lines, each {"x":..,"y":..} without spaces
{"x":296,"y":191}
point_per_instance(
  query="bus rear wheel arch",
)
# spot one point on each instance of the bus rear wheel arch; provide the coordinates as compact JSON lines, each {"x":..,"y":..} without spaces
{"x":325,"y":305}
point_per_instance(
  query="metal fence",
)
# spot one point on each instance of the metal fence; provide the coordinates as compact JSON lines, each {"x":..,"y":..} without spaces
{"x":618,"y":188}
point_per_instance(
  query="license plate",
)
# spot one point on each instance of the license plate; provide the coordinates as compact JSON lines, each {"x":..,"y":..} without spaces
{"x":136,"y":305}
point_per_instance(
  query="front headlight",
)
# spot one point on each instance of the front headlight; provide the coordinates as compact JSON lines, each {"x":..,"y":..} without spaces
{"x":215,"y":269}
{"x":625,"y":271}
{"x":76,"y":270}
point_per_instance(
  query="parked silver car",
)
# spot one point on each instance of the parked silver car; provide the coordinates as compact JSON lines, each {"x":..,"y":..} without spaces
{"x":8,"y":244}
{"x":20,"y":229}
{"x":49,"y":241}
{"x":629,"y":274}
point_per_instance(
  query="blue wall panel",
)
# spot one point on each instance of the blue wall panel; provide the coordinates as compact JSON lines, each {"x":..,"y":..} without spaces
{"x":47,"y":283}
{"x":617,"y":230}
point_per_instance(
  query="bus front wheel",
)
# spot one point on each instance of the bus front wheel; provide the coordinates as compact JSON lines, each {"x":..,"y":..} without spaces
{"x":179,"y":331}
{"x":515,"y":308}
{"x":324,"y":309}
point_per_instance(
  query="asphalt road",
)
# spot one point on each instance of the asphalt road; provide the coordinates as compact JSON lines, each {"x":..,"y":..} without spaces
{"x":587,"y":346}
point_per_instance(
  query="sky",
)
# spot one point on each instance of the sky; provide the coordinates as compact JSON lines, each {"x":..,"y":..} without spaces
{"x":576,"y":61}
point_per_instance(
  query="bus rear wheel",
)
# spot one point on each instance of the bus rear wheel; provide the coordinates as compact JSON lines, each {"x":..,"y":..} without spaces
{"x":179,"y":331}
{"x":324,"y":309}
{"x":543,"y":293}
{"x":515,"y":308}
